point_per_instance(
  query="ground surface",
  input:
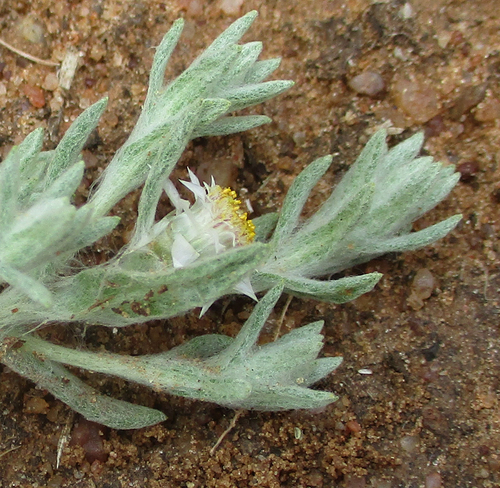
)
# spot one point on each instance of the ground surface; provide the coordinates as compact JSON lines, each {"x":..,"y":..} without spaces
{"x":429,"y":414}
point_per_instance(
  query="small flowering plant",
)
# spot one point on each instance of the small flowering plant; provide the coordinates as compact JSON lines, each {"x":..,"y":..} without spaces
{"x":206,"y":248}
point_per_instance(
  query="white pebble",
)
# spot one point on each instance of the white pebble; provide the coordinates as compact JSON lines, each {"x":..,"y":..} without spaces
{"x":407,"y":11}
{"x":367,"y":83}
{"x":433,"y":480}
{"x":365,"y":371}
{"x":51,"y":82}
{"x":409,"y":443}
{"x":231,"y":7}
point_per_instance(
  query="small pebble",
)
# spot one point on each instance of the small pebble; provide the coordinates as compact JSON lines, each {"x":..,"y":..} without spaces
{"x":110,"y":119}
{"x":424,"y":283}
{"x":494,"y":462}
{"x":231,"y":7}
{"x":443,"y":39}
{"x":31,"y":30}
{"x":355,"y":482}
{"x":88,"y":435}
{"x":488,"y":111}
{"x":367,"y":83}
{"x":84,"y":102}
{"x":89,"y":159}
{"x":53,"y":414}
{"x":117,"y":60}
{"x":137,"y":89}
{"x":430,"y":353}
{"x":495,"y":194}
{"x":433,"y":480}
{"x":55,"y":482}
{"x":421,"y":288}
{"x":467,"y":170}
{"x":400,"y":54}
{"x":484,"y":450}
{"x":78,"y":474}
{"x":84,"y":11}
{"x":434,"y":420}
{"x":97,"y":52}
{"x":56,"y":103}
{"x":299,"y":138}
{"x":456,"y":38}
{"x":36,"y":405}
{"x":22,"y":62}
{"x":410,"y":443}
{"x":469,"y":97}
{"x":365,"y":371}
{"x":315,"y":479}
{"x":435,"y":126}
{"x":418,"y":100}
{"x":35,"y":95}
{"x":193,"y":7}
{"x":353,"y":426}
{"x":407,"y":11}
{"x":381,"y":483}
{"x":50,"y":82}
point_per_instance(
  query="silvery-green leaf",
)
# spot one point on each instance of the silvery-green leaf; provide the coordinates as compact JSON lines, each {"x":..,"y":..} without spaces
{"x":29,"y":150}
{"x":161,"y":58}
{"x":230,"y":125}
{"x":446,"y":180}
{"x":36,"y":231}
{"x":416,"y":240}
{"x":85,"y":400}
{"x":9,"y":189}
{"x":359,"y":174}
{"x":261,"y":70}
{"x":404,"y":152}
{"x":232,"y":34}
{"x":334,"y":291}
{"x":296,"y":198}
{"x":211,"y":109}
{"x":202,"y":75}
{"x":265,"y":225}
{"x":68,"y":150}
{"x":247,"y":58}
{"x":63,"y":186}
{"x":128,"y":170}
{"x":248,"y":95}
{"x":246,"y":339}
{"x":117,"y":296}
{"x":92,"y":232}
{"x":310,"y":251}
{"x":31,"y":287}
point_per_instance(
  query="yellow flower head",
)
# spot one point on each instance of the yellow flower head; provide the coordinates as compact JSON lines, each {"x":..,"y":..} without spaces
{"x":228,"y":211}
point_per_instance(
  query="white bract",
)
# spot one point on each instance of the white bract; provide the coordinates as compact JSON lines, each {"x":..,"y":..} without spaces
{"x":213,"y":224}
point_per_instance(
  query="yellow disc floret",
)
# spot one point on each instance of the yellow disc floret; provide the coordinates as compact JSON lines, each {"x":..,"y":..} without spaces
{"x":229,"y":212}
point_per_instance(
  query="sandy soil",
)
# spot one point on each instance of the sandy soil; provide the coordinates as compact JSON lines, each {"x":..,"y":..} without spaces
{"x":429,"y":414}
